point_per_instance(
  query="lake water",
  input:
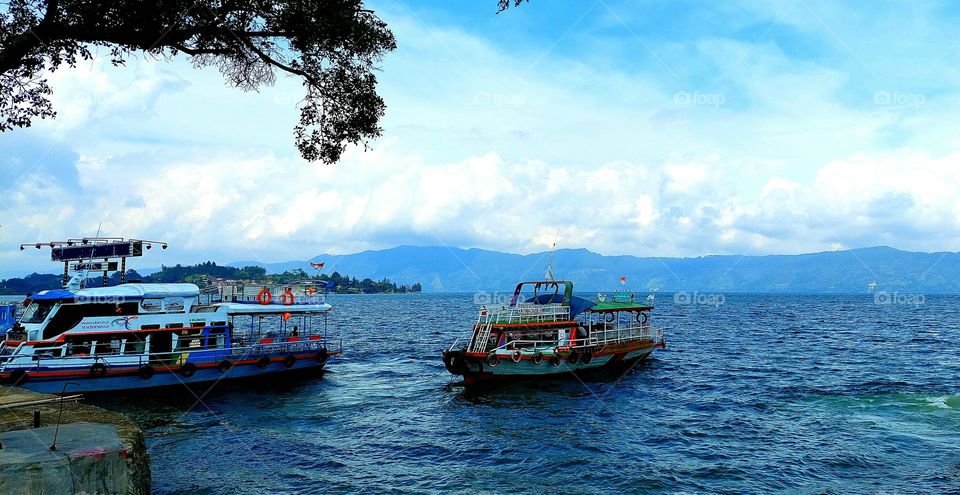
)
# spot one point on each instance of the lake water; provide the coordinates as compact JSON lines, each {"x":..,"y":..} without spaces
{"x":759,"y":394}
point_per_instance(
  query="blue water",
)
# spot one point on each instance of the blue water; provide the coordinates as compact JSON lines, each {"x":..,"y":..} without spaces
{"x":789,"y":394}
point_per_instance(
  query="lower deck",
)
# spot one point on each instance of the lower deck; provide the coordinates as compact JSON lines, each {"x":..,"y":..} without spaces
{"x":105,"y":377}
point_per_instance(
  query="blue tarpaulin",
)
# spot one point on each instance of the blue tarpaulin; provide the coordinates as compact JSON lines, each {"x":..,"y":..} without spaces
{"x":577,"y":304}
{"x":53,"y":295}
{"x":8,"y":316}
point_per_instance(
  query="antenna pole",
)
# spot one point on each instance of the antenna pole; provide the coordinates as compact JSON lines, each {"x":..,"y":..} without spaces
{"x":549,"y":274}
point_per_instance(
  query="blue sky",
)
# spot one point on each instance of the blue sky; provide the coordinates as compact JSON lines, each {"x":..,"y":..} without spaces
{"x":626,"y":127}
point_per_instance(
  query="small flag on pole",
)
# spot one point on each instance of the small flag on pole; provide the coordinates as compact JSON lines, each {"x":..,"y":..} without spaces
{"x":623,"y":280}
{"x":318,"y":266}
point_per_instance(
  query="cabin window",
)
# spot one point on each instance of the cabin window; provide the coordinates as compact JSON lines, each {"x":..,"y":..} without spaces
{"x":161,"y":343}
{"x":125,"y":309}
{"x":39,"y":352}
{"x":79,"y":349}
{"x":134,"y":345}
{"x":173,"y":305}
{"x":36,"y":312}
{"x":215,"y":341}
{"x":106,"y":347}
{"x":189,"y":342}
{"x":151,"y":305}
{"x":174,"y":325}
{"x":69,"y":315}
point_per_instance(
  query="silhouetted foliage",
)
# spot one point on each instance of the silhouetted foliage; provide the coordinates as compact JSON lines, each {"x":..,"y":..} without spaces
{"x":334,"y":46}
{"x":505,"y":4}
{"x":203,"y":274}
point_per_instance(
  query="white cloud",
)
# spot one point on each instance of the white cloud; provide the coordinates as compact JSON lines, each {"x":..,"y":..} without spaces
{"x":485,"y":148}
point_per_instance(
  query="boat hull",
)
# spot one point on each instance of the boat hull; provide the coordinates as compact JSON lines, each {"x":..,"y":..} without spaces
{"x":124,"y":379}
{"x":478,"y":371}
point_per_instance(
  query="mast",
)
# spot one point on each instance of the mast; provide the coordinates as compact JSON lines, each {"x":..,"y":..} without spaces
{"x":549,"y":275}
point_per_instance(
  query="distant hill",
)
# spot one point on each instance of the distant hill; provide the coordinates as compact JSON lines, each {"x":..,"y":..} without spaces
{"x":443,"y":269}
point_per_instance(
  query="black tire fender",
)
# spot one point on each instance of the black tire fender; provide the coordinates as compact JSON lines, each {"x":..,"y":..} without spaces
{"x":146,"y":372}
{"x":538,"y":358}
{"x":188,"y":369}
{"x":98,"y":370}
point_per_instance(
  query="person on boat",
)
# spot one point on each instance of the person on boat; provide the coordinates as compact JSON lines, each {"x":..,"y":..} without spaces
{"x":295,"y":332}
{"x":81,"y":350}
{"x":581,"y":333}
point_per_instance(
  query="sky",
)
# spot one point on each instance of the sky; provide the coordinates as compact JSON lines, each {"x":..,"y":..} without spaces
{"x":620,"y":126}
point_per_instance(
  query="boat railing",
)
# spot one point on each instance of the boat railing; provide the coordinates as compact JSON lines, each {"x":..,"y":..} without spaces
{"x":525,"y":313}
{"x":521,"y":313}
{"x":619,"y":335}
{"x":597,"y":338}
{"x":249,"y":293}
{"x":173,"y":358}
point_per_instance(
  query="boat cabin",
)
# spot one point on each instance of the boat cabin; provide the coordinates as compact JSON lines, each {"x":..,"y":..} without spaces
{"x":163,"y":322}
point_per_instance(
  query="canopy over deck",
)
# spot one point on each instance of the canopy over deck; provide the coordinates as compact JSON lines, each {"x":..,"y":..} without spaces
{"x":240,"y":308}
{"x":614,"y":306}
{"x":545,"y":288}
{"x":119,"y":293}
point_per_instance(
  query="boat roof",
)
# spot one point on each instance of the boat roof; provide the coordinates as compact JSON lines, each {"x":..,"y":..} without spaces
{"x":612,"y":306}
{"x":239,"y":308}
{"x":562,"y":288}
{"x":577,"y":304}
{"x":117,"y":293}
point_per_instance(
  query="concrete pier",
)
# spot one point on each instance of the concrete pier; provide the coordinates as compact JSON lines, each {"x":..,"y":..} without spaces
{"x":96,"y":451}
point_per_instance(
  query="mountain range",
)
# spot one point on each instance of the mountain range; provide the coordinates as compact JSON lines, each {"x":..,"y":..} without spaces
{"x":448,"y":269}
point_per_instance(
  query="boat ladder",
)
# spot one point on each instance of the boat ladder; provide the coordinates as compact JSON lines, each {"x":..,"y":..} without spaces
{"x":485,"y":322}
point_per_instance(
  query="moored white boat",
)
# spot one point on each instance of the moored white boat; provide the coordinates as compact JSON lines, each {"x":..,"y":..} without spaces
{"x":135,"y":336}
{"x":146,"y":335}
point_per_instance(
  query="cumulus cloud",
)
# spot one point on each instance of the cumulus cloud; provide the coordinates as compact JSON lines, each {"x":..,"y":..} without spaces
{"x":723,"y":145}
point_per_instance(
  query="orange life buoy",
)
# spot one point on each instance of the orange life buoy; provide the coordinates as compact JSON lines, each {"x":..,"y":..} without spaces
{"x":287,"y":297}
{"x":264,"y":296}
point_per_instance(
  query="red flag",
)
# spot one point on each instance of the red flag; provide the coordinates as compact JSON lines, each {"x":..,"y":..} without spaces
{"x":317,"y":265}
{"x":623,"y":280}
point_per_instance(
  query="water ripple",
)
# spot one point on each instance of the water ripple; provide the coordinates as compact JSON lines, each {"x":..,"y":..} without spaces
{"x":783,"y":394}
